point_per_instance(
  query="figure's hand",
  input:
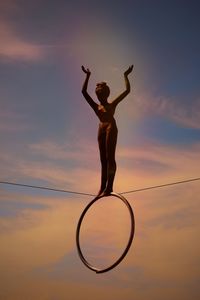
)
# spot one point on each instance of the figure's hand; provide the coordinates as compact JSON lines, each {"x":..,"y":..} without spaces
{"x":128,"y":71}
{"x":86,"y":71}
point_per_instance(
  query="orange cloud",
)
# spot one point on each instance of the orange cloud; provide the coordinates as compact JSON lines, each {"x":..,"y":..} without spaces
{"x":36,"y":237}
{"x":161,"y":260}
{"x":138,"y":166}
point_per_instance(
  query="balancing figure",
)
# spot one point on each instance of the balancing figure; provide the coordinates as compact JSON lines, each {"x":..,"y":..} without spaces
{"x":107,"y":133}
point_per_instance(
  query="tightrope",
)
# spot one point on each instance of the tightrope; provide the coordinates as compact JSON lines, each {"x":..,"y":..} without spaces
{"x":92,"y":195}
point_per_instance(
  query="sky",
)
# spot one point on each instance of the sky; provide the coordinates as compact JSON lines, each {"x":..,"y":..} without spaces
{"x":48,"y":137}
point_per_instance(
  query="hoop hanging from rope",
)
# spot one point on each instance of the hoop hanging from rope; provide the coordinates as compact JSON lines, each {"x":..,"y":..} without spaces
{"x":131,"y":235}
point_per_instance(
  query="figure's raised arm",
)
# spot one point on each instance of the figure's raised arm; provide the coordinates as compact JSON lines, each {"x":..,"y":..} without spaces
{"x":127,"y":84}
{"x":84,"y":89}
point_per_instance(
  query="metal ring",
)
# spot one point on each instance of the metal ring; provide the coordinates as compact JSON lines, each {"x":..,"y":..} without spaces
{"x":129,"y":240}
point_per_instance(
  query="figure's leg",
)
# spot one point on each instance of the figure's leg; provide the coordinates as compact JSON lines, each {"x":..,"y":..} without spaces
{"x":103,"y":159}
{"x":111,"y":141}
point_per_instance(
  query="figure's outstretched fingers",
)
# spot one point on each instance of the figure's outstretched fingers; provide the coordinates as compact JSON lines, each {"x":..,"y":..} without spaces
{"x":86,"y":71}
{"x":129,"y":70}
{"x":83,"y":68}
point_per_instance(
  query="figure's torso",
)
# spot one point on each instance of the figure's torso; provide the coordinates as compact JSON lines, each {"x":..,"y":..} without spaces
{"x":106,"y":112}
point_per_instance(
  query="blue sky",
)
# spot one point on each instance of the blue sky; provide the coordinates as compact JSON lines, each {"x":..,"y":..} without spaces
{"x":48,"y":137}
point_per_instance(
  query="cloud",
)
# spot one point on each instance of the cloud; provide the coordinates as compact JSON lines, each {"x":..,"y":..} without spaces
{"x":74,"y":151}
{"x":153,"y":164}
{"x":35,"y":238}
{"x":77,"y":167}
{"x":62,"y":166}
{"x":35,"y":241}
{"x":179,"y":112}
{"x":13,"y":47}
{"x":38,"y":253}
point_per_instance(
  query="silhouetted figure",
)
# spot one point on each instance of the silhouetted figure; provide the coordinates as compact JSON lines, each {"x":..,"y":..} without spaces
{"x":107,"y":134}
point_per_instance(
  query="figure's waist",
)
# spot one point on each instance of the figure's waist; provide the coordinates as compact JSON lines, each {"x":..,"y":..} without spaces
{"x":107,"y":123}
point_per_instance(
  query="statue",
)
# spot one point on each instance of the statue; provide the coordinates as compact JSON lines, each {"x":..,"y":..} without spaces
{"x":107,"y":133}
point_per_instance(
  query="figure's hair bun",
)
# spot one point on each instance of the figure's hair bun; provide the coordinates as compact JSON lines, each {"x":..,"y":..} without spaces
{"x":105,"y":87}
{"x":103,"y":83}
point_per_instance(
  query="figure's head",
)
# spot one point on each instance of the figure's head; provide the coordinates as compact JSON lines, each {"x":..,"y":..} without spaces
{"x":102,"y":92}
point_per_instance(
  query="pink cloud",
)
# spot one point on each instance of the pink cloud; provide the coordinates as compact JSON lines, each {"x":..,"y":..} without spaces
{"x":15,"y":47}
{"x":74,"y":151}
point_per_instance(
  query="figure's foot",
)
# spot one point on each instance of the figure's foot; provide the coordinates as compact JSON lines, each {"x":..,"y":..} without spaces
{"x":100,"y":193}
{"x":106,"y":192}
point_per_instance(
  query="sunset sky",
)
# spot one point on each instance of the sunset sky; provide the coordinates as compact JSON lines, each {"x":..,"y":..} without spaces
{"x":48,"y":137}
